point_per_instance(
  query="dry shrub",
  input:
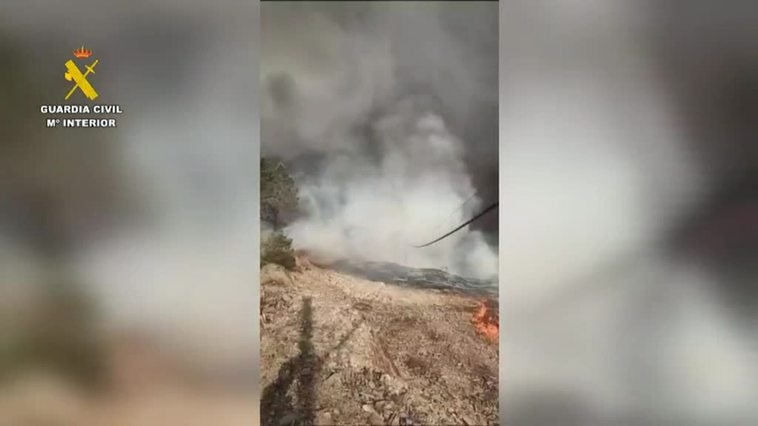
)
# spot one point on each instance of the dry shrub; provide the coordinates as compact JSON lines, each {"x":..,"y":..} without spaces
{"x":277,"y":249}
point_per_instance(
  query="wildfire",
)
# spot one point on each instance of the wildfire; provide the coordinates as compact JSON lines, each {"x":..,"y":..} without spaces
{"x":486,"y":320}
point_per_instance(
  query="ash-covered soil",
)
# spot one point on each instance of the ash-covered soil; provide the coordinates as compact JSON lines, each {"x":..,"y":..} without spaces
{"x":337,"y":349}
{"x":425,"y":278}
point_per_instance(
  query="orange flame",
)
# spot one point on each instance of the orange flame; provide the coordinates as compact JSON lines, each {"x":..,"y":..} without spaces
{"x":82,"y":52}
{"x":486,"y":321}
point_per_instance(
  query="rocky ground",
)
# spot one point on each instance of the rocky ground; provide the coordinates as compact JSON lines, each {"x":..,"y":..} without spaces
{"x":337,"y":349}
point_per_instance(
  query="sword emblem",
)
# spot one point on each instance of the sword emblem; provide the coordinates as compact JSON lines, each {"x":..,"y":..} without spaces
{"x":80,"y":80}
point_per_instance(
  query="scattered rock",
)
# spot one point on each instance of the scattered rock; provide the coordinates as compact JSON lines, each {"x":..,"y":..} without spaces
{"x":376,"y":419}
{"x":406,"y":421}
{"x":324,"y":418}
{"x":331,"y":379}
{"x":394,"y":420}
{"x":287,"y":419}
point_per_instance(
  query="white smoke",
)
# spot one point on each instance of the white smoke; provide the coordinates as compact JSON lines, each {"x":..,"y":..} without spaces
{"x":361,"y":93}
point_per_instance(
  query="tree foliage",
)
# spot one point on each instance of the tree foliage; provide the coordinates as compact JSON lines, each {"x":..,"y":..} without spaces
{"x":277,"y":248}
{"x":278,"y":192}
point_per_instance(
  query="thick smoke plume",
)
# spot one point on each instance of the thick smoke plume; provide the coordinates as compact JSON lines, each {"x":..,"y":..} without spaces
{"x":386,"y":116}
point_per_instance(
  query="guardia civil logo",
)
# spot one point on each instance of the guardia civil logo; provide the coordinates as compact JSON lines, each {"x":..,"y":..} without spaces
{"x":80,"y":79}
{"x":79,"y":72}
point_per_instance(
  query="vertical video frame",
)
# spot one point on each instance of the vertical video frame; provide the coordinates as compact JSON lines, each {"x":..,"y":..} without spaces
{"x":379,"y":226}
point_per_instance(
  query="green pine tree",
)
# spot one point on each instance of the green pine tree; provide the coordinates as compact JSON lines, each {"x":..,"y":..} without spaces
{"x":279,"y":195}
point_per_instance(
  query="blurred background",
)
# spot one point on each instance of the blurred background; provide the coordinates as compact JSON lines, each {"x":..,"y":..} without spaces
{"x":128,"y":256}
{"x":628,"y":212}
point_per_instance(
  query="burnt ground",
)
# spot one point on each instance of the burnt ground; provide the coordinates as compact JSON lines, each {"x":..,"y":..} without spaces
{"x":338,"y":349}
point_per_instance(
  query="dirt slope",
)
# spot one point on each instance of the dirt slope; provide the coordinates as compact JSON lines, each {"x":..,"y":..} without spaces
{"x":342,"y":350}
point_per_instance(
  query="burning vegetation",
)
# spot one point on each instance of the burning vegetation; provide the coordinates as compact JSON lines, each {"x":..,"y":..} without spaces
{"x":486,"y":320}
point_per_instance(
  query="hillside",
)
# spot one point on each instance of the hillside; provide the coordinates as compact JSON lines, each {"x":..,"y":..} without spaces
{"x":338,"y":349}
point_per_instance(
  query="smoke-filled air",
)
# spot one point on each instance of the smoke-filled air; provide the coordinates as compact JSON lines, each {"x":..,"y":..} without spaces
{"x":385,"y":115}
